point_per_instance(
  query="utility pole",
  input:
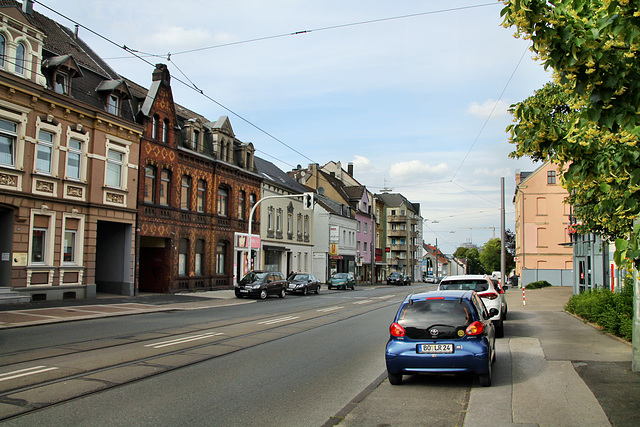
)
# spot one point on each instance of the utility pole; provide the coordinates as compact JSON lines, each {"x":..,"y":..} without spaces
{"x":503,"y":248}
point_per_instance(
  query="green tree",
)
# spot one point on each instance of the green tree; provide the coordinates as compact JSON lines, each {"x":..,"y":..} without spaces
{"x":472,"y":257}
{"x":490,"y":255}
{"x":587,"y":120}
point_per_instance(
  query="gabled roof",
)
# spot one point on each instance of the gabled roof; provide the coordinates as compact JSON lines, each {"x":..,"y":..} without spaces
{"x":272,"y":173}
{"x":397,"y":200}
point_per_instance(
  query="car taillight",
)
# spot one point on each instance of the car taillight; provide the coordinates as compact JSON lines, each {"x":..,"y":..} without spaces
{"x":476,"y":328}
{"x":489,"y":295}
{"x":396,"y":330}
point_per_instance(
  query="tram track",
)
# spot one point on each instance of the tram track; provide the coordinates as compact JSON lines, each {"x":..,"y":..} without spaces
{"x":84,"y":368}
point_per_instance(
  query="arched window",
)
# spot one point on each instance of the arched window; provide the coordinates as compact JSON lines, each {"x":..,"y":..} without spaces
{"x":154,"y":127}
{"x":3,"y":46}
{"x":241,"y":204}
{"x":149,"y":184}
{"x":20,"y":59}
{"x":221,"y":255}
{"x":165,"y":130}
{"x":223,"y":201}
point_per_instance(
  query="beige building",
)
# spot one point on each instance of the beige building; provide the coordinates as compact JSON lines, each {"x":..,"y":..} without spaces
{"x":543,"y":244}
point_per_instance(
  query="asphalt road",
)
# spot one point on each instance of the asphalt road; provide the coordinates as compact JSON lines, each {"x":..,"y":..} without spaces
{"x":300,"y":373}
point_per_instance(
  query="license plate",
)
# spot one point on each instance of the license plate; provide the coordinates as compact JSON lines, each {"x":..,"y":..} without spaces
{"x":244,"y":291}
{"x":435,"y":348}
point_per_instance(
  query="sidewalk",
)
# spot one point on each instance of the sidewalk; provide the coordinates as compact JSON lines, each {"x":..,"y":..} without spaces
{"x":552,"y":369}
{"x":38,"y":313}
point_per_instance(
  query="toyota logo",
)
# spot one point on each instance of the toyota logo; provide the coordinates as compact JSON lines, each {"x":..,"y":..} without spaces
{"x":434,"y":331}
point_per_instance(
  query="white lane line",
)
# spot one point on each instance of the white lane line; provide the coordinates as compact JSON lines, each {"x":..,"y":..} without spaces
{"x":385,"y":297}
{"x":183,"y":340}
{"x":278,"y":320}
{"x":363,"y":302}
{"x":325,"y":310}
{"x":25,"y":372}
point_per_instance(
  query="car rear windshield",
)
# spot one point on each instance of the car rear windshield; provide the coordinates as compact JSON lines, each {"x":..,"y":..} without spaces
{"x":448,"y":315}
{"x":464,"y":285}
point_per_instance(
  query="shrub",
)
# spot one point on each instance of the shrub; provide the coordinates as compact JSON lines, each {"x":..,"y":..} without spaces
{"x":537,"y":285}
{"x":611,"y":311}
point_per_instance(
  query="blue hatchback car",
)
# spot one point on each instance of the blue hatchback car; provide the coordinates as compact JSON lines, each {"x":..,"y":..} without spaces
{"x":441,"y":332}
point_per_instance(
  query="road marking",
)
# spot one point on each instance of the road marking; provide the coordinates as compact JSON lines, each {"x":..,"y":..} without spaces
{"x":363,"y":302}
{"x":278,"y":320}
{"x":183,"y":340}
{"x":325,"y":310}
{"x":25,"y":372}
{"x":386,"y":296}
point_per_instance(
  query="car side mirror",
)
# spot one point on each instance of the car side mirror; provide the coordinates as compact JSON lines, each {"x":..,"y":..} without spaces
{"x":493,"y":312}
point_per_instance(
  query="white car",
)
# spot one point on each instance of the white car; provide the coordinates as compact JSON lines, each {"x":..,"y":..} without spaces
{"x":485,"y":289}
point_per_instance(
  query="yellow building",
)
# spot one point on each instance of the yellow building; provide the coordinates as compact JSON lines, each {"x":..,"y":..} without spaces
{"x":543,"y":244}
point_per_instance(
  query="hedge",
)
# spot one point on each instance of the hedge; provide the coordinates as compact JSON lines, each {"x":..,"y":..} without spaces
{"x":611,"y":311}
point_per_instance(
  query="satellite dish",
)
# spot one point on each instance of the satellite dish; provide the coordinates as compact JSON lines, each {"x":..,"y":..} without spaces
{"x":320,"y":191}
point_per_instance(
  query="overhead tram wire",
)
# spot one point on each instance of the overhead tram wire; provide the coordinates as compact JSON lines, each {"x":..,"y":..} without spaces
{"x":315,"y":30}
{"x":504,"y":89}
{"x":191,"y":85}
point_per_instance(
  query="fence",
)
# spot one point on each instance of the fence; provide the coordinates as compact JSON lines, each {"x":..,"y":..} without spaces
{"x":555,"y":277}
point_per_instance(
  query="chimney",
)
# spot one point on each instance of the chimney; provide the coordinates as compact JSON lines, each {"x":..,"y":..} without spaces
{"x":27,"y":7}
{"x":161,"y":73}
{"x":350,"y":169}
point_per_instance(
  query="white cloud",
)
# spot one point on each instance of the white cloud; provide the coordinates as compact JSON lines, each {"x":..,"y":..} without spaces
{"x":415,"y":169}
{"x":362,"y":164}
{"x":489,"y":108}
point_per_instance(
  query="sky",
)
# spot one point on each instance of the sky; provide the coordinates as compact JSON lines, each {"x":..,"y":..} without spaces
{"x":414,"y":93}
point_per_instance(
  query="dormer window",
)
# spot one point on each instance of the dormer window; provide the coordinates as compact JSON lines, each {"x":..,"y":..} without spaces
{"x":117,"y":91}
{"x":61,"y":85}
{"x":113,"y":104}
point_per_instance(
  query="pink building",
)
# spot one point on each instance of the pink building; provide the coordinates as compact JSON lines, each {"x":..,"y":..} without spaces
{"x":543,"y":244}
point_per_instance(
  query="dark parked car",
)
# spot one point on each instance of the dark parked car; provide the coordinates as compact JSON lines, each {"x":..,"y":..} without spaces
{"x":303,"y":283}
{"x":342,"y":281}
{"x":398,"y":279}
{"x":441,"y":332}
{"x":262,"y":284}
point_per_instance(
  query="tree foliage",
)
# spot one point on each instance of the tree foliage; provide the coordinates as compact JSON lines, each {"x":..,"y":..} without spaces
{"x":472,"y":257}
{"x":588,"y":120}
{"x":490,"y":255}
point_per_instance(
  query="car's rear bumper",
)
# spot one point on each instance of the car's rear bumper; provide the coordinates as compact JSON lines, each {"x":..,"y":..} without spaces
{"x":470,"y":356}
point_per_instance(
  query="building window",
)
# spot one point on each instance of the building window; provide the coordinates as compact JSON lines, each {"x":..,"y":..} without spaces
{"x":69,"y":249}
{"x":20,"y":59}
{"x":113,"y":104}
{"x":195,"y":136}
{"x":149,"y":184}
{"x":183,"y":251}
{"x":3,"y":46}
{"x":197,"y":268}
{"x":202,"y":191}
{"x":252,"y":201}
{"x":221,"y":253}
{"x":44,"y":152}
{"x":279,"y":221}
{"x":115,"y":161}
{"x":270,"y":218}
{"x":165,"y":185}
{"x":290,"y":225}
{"x":241,"y":204}
{"x":185,"y":194}
{"x":223,"y":201}
{"x":61,"y":84}
{"x":8,"y":134}
{"x":74,"y":159}
{"x":38,"y":245}
{"x":165,"y":130}
{"x":551,"y":177}
{"x":306,"y":225}
{"x":154,"y":127}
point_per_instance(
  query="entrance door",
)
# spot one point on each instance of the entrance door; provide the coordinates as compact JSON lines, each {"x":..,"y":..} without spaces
{"x":6,"y":242}
{"x":155,"y":265}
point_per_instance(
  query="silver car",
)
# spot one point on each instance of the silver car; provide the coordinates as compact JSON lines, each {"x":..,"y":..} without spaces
{"x":484,"y":287}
